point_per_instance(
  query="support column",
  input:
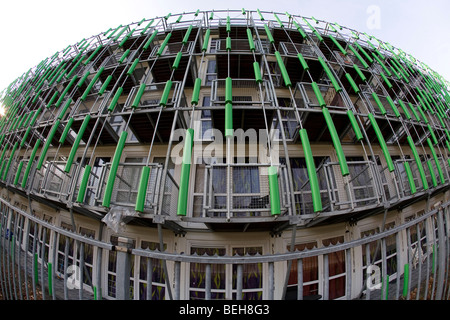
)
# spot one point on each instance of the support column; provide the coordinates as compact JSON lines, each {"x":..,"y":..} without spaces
{"x":123,"y":268}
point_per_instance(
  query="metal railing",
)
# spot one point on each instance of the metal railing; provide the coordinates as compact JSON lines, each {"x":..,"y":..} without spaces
{"x":39,"y":260}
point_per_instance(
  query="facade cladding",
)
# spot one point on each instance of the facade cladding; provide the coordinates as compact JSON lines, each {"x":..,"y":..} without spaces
{"x":236,"y":154}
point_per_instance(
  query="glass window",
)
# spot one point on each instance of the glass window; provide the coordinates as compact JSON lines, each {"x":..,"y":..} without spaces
{"x":336,"y":269}
{"x":310,"y":272}
{"x":198,"y":274}
{"x":158,"y":279}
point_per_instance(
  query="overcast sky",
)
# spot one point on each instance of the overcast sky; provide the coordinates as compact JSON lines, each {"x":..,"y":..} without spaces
{"x":33,"y":30}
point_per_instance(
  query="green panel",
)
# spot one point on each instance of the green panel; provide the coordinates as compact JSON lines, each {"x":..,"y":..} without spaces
{"x":382,"y":142}
{"x":150,"y":40}
{"x":269,"y":34}
{"x":142,"y":190}
{"x":47,"y":145}
{"x":187,"y":34}
{"x":66,"y":131}
{"x":330,"y":75}
{"x":18,"y":172}
{"x":64,"y":109}
{"x":183,"y":193}
{"x":405,"y":280}
{"x":113,"y":171}
{"x":393,"y":106}
{"x":311,"y":169}
{"x":302,"y":61}
{"x":177,"y":60}
{"x":250,"y":40}
{"x":354,"y":123}
{"x":164,"y":44}
{"x":105,"y":85}
{"x":336,"y":142}
{"x":433,"y":136}
{"x":405,"y":110}
{"x":115,"y":99}
{"x":228,"y":120}
{"x":436,"y":160}
{"x":133,"y":66}
{"x":433,"y":176}
{"x":83,"y":185}
{"x":206,"y":40}
{"x":274,"y":191}
{"x":25,"y":136}
{"x":318,"y":94}
{"x":165,"y":95}
{"x":139,"y":94}
{"x":337,"y":44}
{"x":11,"y":157}
{"x":352,"y":83}
{"x":379,"y":104}
{"x":284,"y":73}
{"x":196,"y":91}
{"x":30,"y":163}
{"x":418,"y":162}
{"x":228,"y":90}
{"x":257,"y":72}
{"x":75,"y":145}
{"x":410,"y":177}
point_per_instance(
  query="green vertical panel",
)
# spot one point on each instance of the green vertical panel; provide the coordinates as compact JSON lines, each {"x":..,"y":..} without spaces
{"x":228,"y":120}
{"x":393,"y":106}
{"x":30,"y":163}
{"x":187,"y":34}
{"x":269,"y":34}
{"x":405,"y":110}
{"x":183,"y":193}
{"x":379,"y":104}
{"x":206,"y":40}
{"x":436,"y":160}
{"x":284,"y":73}
{"x":83,"y":185}
{"x":257,"y":72}
{"x":274,"y":191}
{"x":177,"y":60}
{"x":133,"y":66}
{"x":47,"y":145}
{"x":75,"y":145}
{"x":352,"y":83}
{"x":330,"y":75}
{"x":50,"y":284}
{"x":105,"y":85}
{"x":418,"y":162}
{"x":354,"y":123}
{"x":250,"y":40}
{"x":66,"y":131}
{"x":115,"y":99}
{"x":382,"y":142}
{"x":164,"y":44}
{"x":165,"y":94}
{"x":311,"y":169}
{"x":318,"y":94}
{"x":336,"y":142}
{"x":405,"y":280}
{"x":433,"y":176}
{"x":410,"y":177}
{"x":113,"y":171}
{"x":302,"y":61}
{"x":142,"y":190}
{"x":433,"y":136}
{"x":139,"y":94}
{"x":196,"y":91}
{"x":18,"y":172}
{"x":228,"y":90}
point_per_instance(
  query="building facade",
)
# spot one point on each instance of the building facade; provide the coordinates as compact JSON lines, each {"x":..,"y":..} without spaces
{"x":234,"y":154}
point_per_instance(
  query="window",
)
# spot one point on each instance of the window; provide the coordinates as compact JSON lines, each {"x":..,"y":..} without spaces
{"x":206,"y":120}
{"x":61,"y":250}
{"x":88,"y":256}
{"x":112,"y":269}
{"x":153,"y":268}
{"x":128,"y":182}
{"x":224,"y":277}
{"x":336,"y":269}
{"x":198,"y":272}
{"x":302,"y":188}
{"x":310,"y":272}
{"x":211,"y":72}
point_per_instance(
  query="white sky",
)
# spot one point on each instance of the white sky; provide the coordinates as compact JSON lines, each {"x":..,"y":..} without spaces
{"x":30,"y":30}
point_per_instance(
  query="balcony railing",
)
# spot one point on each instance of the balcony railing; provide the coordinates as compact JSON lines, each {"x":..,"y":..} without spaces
{"x":240,"y":190}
